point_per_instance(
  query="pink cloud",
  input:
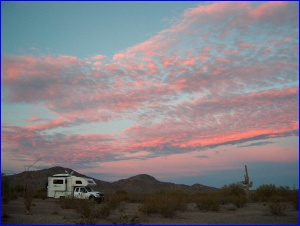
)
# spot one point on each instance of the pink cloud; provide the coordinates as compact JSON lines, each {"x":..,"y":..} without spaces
{"x":111,"y":67}
{"x":202,"y":82}
{"x":97,"y":63}
{"x":268,"y":10}
{"x":152,"y":68}
{"x":35,"y":119}
{"x":188,"y":133}
{"x":119,"y":56}
{"x":216,"y":11}
{"x":278,"y":42}
{"x":98,"y":57}
{"x":246,"y":45}
{"x":48,"y":125}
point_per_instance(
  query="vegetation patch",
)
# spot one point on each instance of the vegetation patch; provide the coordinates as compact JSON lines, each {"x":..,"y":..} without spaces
{"x":166,"y":203}
{"x":277,"y":208}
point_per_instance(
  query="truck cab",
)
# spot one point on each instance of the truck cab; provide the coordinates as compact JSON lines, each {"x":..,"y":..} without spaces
{"x":88,"y":193}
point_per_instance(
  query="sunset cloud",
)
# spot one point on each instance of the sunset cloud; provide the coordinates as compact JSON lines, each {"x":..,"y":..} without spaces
{"x":224,"y":73}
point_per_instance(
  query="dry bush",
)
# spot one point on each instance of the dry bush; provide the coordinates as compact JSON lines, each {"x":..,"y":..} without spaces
{"x":40,"y":193}
{"x":136,"y":198}
{"x":277,"y":208}
{"x":166,"y":203}
{"x":28,"y":191}
{"x":270,"y":193}
{"x":239,"y":201}
{"x":67,"y":203}
{"x":265,"y":193}
{"x":85,"y":207}
{"x":150,"y":204}
{"x":125,"y":219}
{"x":114,"y":200}
{"x":90,"y":210}
{"x":294,"y":199}
{"x":233,"y":193}
{"x":8,"y":192}
{"x":104,"y":211}
{"x":210,"y":202}
{"x":230,"y":190}
{"x":28,"y":198}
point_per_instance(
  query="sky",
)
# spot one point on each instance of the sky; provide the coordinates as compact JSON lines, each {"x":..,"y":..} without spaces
{"x":187,"y":92}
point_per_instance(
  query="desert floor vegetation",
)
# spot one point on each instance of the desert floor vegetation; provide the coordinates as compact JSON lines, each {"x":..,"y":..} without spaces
{"x":228,"y":205}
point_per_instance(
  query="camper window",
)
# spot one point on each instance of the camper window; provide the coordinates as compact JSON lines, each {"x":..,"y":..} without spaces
{"x":78,"y":182}
{"x":55,"y":181}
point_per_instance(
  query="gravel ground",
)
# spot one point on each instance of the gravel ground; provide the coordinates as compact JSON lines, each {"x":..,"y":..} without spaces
{"x":49,"y":212}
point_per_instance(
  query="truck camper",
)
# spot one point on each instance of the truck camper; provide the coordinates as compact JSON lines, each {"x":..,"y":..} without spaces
{"x":67,"y":185}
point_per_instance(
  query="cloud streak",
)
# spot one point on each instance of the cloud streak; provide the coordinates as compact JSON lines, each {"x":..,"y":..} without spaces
{"x":223,"y":73}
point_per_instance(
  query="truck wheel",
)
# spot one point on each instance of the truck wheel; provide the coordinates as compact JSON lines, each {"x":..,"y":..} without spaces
{"x":92,"y":198}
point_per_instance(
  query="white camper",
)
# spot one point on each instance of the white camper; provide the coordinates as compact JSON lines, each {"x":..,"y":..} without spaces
{"x":67,"y":185}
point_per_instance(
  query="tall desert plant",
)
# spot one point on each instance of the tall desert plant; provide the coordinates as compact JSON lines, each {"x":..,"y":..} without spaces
{"x":28,"y":191}
{"x":247,"y":183}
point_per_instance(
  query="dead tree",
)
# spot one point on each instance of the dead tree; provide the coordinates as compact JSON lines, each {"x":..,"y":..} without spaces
{"x":28,"y":191}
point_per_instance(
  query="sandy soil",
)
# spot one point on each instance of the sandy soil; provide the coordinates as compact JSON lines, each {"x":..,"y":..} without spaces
{"x":49,"y":212}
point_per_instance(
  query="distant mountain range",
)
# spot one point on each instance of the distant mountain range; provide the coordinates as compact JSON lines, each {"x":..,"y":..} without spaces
{"x":141,"y":183}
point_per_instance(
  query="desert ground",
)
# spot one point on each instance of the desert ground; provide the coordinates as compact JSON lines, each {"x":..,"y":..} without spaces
{"x":49,"y":211}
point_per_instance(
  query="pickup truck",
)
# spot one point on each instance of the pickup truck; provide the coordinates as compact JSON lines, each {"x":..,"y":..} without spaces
{"x":88,"y":193}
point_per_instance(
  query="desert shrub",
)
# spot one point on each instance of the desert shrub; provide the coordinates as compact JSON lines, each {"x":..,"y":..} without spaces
{"x":233,"y":193}
{"x":5,"y":189}
{"x":178,"y":197}
{"x":150,"y":204}
{"x":114,"y":200}
{"x":166,"y":203}
{"x":88,"y":209}
{"x":40,"y":193}
{"x":67,"y":203}
{"x":85,"y":207}
{"x":265,"y":192}
{"x":236,"y":189}
{"x":277,"y":208}
{"x":283,"y":191}
{"x":122,"y":194}
{"x":136,"y":198}
{"x":125,"y":219}
{"x":239,"y":201}
{"x":28,"y":198}
{"x":210,"y":202}
{"x":8,"y":193}
{"x":272,"y":193}
{"x":104,"y":211}
{"x":19,"y":188}
{"x":294,"y":199}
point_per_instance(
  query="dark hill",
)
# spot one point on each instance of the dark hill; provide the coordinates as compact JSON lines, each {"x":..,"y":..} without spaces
{"x":142,"y":183}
